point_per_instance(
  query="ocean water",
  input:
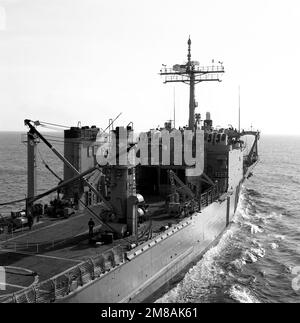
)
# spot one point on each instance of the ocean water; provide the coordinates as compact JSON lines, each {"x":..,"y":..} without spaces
{"x":255,"y":259}
{"x":13,"y":168}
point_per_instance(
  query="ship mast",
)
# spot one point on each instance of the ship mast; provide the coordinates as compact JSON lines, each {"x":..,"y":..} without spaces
{"x":191,"y":73}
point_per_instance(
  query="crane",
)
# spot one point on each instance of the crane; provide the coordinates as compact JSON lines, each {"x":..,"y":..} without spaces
{"x":34,"y":131}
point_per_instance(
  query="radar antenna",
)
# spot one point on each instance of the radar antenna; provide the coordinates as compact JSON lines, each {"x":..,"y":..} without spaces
{"x":191,"y":73}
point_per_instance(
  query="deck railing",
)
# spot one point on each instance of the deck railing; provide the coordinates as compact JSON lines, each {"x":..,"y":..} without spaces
{"x":65,"y":283}
{"x":209,"y":196}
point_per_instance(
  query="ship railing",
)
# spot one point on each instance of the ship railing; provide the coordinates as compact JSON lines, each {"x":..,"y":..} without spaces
{"x":201,"y":69}
{"x":212,"y":68}
{"x":210,"y":196}
{"x":8,"y":240}
{"x":63,"y":284}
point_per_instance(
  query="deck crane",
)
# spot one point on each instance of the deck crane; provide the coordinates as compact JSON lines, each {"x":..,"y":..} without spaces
{"x":67,"y":182}
{"x":63,"y":184}
{"x":126,"y":211}
{"x":34,"y":131}
{"x":182,"y":189}
{"x":29,"y":201}
{"x":189,"y":203}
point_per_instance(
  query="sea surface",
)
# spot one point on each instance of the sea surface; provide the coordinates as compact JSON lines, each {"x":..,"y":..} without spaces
{"x":257,"y":258}
{"x":13,"y":167}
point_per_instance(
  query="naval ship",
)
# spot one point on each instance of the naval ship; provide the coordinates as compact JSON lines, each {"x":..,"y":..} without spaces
{"x":155,"y":202}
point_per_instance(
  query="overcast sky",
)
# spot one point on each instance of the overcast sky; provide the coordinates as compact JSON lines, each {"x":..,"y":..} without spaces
{"x":64,"y":61}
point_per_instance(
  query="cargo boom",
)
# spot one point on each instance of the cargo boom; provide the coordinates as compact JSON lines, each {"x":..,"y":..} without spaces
{"x":153,"y":220}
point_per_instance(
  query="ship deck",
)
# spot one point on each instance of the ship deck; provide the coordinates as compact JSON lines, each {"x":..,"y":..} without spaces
{"x":54,"y":246}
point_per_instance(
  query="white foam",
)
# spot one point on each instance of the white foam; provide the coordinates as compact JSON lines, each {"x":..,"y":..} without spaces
{"x":260,"y":219}
{"x":259,"y":252}
{"x":237,"y":263}
{"x":278,"y":237}
{"x":274,"y":245}
{"x":245,"y":214}
{"x":242,"y":294}
{"x":202,"y":276}
{"x":249,"y":257}
{"x":257,"y":244}
{"x":273,"y":215}
{"x":201,"y":279}
{"x":254,"y":229}
{"x":253,"y":254}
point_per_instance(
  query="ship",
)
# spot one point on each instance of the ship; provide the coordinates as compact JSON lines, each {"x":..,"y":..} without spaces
{"x":133,"y":211}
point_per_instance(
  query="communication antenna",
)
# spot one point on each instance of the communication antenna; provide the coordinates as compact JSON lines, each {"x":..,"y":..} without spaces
{"x":191,"y":73}
{"x":174,"y":108}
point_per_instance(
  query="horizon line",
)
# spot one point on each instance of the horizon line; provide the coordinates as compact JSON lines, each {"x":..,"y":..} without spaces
{"x":49,"y":130}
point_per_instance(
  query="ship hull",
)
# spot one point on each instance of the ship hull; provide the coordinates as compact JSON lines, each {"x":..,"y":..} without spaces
{"x":151,"y":268}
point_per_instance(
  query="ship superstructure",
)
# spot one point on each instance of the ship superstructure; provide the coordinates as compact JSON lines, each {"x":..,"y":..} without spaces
{"x":159,"y":199}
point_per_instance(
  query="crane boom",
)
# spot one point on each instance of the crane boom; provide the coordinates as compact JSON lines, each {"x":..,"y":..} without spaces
{"x":174,"y":178}
{"x":65,"y":161}
{"x":63,"y":184}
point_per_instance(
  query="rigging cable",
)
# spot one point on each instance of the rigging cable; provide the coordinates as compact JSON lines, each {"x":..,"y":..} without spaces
{"x":41,"y":123}
{"x":13,"y":202}
{"x":48,"y":167}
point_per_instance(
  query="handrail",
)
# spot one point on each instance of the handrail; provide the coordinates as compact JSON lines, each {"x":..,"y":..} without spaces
{"x":62,"y":284}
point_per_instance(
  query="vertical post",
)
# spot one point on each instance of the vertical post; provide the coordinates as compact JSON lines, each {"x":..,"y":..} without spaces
{"x":132,"y":215}
{"x":31,"y":165}
{"x":192,"y":101}
{"x":190,"y":70}
{"x":174,"y":108}
{"x":237,"y":194}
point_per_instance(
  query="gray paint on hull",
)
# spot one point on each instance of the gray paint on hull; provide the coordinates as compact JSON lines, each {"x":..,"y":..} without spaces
{"x":138,"y":279}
